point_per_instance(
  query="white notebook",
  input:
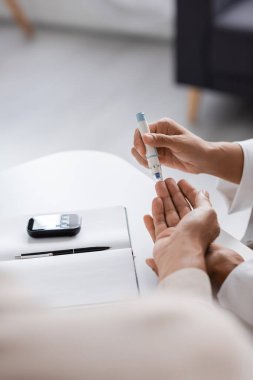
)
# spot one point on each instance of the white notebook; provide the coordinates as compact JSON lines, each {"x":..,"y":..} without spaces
{"x":74,"y":279}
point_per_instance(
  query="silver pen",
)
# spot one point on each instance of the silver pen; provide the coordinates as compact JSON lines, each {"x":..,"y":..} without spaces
{"x":33,"y":256}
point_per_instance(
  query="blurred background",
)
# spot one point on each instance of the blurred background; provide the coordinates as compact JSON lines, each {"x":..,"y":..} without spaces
{"x":73,"y":74}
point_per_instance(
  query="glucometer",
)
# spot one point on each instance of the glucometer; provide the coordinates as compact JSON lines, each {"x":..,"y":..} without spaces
{"x":54,"y":225}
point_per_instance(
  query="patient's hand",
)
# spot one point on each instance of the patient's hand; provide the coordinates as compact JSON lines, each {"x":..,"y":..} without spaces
{"x":181,"y":235}
{"x":220,"y":262}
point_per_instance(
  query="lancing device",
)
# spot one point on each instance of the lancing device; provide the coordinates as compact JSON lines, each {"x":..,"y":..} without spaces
{"x":151,"y":153}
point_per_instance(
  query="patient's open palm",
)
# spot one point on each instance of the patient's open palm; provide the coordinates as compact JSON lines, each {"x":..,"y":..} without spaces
{"x":181,"y":235}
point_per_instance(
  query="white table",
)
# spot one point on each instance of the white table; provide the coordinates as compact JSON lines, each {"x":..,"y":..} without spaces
{"x":79,"y":180}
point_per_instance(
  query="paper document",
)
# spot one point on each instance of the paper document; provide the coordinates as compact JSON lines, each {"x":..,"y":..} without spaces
{"x":74,"y":279}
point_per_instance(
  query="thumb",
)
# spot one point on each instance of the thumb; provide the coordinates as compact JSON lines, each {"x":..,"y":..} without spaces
{"x":158,"y":140}
{"x":151,"y":263}
{"x":202,"y":199}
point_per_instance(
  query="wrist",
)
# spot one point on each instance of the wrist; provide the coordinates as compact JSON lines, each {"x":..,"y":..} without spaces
{"x":225,"y":160}
{"x":184,"y":256}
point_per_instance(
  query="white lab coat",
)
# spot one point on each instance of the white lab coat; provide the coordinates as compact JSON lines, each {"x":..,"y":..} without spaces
{"x":236,"y":293}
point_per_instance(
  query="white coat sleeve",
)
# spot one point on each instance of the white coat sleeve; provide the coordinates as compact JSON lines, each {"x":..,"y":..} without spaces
{"x":236,"y":293}
{"x":240,"y":197}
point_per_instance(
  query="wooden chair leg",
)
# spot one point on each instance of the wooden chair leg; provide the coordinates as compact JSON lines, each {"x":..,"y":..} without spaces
{"x":194,"y":101}
{"x":20,"y":17}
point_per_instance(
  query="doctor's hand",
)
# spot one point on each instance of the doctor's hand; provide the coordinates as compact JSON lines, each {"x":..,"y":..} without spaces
{"x":180,"y":149}
{"x":177,"y":147}
{"x":220,"y":262}
{"x":181,"y":235}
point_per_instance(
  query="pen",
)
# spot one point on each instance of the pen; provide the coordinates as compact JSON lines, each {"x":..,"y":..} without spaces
{"x":60,"y":252}
{"x":151,"y":153}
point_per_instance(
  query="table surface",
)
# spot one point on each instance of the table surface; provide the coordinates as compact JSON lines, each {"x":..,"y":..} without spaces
{"x":76,"y":180}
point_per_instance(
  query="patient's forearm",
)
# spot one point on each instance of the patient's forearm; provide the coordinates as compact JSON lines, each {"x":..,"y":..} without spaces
{"x":226,"y":161}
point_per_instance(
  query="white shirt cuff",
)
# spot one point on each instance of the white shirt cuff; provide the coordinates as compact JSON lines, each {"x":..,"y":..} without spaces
{"x":236,"y":292}
{"x":240,"y":197}
{"x":190,"y":282}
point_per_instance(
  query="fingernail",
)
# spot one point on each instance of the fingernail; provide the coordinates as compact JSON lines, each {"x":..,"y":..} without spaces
{"x":205,"y":193}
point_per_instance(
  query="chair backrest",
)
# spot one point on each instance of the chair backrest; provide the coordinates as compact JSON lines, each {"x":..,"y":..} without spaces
{"x":194,"y":19}
{"x":219,"y":5}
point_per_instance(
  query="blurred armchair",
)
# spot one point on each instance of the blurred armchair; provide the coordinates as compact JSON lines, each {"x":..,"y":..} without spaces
{"x":215,"y":47}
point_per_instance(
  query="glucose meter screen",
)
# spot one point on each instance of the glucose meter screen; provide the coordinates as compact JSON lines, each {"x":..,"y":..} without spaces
{"x":50,"y":222}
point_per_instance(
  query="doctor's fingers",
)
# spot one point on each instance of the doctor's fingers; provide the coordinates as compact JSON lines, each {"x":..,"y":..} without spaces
{"x":138,"y":142}
{"x":142,"y":161}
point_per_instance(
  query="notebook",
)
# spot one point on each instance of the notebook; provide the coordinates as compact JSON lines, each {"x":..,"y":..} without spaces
{"x":74,"y":280}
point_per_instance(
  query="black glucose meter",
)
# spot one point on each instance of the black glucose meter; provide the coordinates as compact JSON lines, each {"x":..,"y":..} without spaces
{"x":54,"y":225}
